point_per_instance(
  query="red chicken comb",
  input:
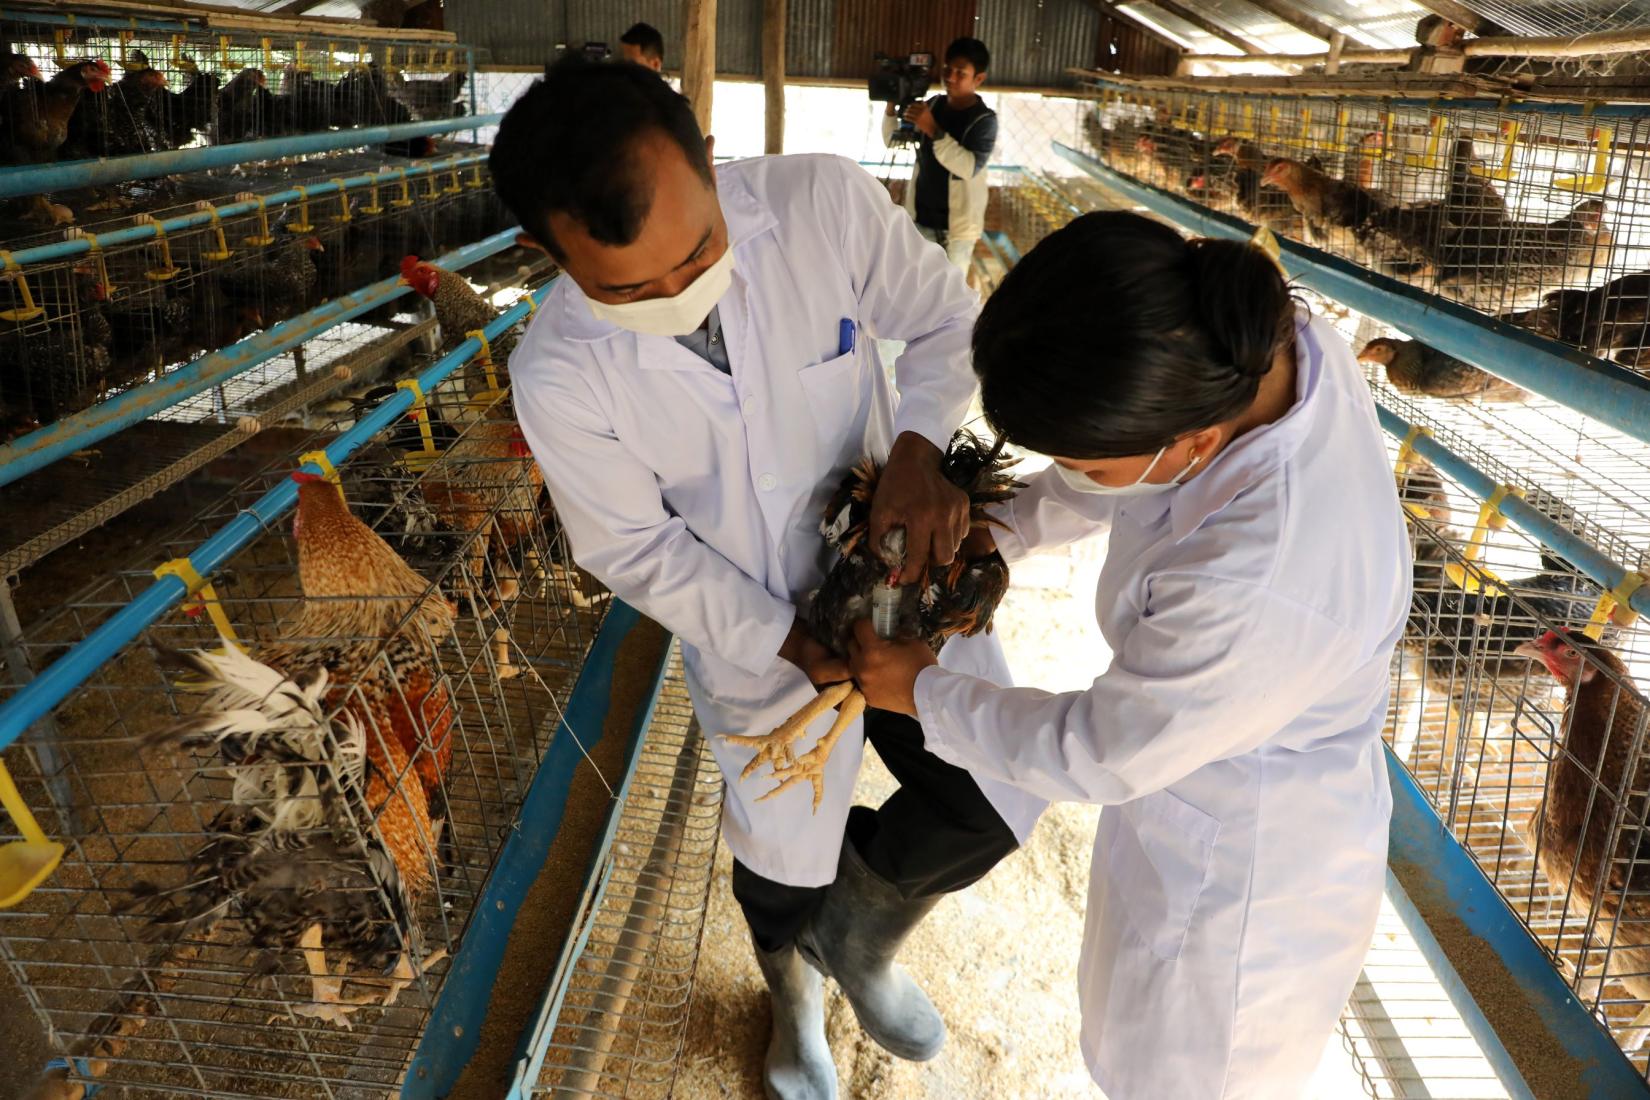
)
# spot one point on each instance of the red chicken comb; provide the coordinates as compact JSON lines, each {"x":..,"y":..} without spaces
{"x":409,"y":265}
{"x":304,"y":477}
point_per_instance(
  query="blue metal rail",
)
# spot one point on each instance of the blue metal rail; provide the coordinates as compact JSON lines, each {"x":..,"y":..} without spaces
{"x":68,"y":175}
{"x":79,"y":246}
{"x":54,"y":684}
{"x":1602,"y":390}
{"x":1528,"y":518}
{"x":454,"y":1030}
{"x":74,"y":433}
{"x":1438,"y":878}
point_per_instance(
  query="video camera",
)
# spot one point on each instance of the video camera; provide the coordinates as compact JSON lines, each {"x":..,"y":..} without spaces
{"x":901,"y":83}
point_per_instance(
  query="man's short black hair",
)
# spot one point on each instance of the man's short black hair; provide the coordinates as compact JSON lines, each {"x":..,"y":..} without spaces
{"x":971,"y":50}
{"x":569,"y":146}
{"x":646,"y":37}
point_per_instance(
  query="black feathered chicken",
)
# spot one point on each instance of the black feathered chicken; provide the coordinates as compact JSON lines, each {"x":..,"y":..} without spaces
{"x":959,"y":599}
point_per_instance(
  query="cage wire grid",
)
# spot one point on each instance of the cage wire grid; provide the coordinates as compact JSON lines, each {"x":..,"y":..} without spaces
{"x":202,"y":1015}
{"x":620,"y":1029}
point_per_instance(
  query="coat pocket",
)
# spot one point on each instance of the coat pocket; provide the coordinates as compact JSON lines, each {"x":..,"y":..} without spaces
{"x":835,"y":394}
{"x":1160,"y":858}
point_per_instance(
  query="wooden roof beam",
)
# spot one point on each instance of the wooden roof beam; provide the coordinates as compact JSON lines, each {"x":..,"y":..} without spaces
{"x":1306,"y":23}
{"x":1202,"y":23}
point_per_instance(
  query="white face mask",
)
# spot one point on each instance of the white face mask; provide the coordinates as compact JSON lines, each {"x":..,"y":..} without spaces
{"x":1083,"y":483}
{"x":676,"y":316}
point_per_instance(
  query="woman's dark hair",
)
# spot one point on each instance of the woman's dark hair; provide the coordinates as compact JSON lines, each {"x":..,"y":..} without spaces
{"x":568,"y":145}
{"x":1116,"y":336}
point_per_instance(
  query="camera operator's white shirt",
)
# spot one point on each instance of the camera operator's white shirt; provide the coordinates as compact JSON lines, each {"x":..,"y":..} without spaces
{"x":696,"y":496}
{"x":967,"y":191}
{"x":1235,"y":742}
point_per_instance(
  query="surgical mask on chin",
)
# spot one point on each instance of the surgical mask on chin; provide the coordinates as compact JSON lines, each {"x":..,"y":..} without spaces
{"x":676,"y":316}
{"x":1083,"y":483}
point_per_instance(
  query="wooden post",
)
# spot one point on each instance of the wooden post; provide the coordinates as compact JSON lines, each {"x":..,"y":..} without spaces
{"x":699,"y":58}
{"x":773,"y":74}
{"x":1337,"y":43}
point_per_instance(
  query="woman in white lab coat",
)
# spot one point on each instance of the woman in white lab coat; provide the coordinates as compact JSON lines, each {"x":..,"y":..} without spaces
{"x":1256,"y":583}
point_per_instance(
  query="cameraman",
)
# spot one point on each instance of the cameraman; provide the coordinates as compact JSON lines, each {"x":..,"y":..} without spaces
{"x":947,"y":192}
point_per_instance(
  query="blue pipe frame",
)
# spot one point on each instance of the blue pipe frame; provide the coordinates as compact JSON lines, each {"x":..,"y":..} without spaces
{"x":1602,"y":390}
{"x":1531,"y":520}
{"x":36,"y":699}
{"x":81,"y":245}
{"x":80,"y":430}
{"x":37,"y":179}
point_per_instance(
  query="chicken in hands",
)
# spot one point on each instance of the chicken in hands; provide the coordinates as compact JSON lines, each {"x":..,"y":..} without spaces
{"x":958,"y":599}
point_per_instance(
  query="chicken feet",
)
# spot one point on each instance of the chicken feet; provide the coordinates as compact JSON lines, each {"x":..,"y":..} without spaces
{"x":329,"y":1004}
{"x":774,"y":749}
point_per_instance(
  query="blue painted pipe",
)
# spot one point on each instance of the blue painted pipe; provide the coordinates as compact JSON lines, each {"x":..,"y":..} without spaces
{"x":35,"y":179}
{"x":79,"y":246}
{"x":1538,"y":107}
{"x":1439,"y":876}
{"x":74,"y":433}
{"x":1529,"y":519}
{"x":49,"y":19}
{"x":54,"y":684}
{"x":1604,"y":391}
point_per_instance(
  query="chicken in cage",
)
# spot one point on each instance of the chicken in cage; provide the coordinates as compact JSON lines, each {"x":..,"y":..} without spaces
{"x":61,"y":98}
{"x":350,"y":735}
{"x":1533,"y":218}
{"x":1515,"y":708}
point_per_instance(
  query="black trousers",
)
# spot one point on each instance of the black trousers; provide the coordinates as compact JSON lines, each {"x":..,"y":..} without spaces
{"x":934,"y":835}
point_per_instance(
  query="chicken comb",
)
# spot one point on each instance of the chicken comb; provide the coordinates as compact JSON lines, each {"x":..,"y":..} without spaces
{"x":304,"y":477}
{"x":409,"y":266}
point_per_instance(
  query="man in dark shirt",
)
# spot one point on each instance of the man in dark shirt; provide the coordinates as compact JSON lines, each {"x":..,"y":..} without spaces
{"x":956,"y":134}
{"x":644,"y":45}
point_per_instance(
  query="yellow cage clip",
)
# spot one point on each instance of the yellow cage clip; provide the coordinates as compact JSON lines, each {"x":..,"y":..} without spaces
{"x":25,"y":863}
{"x":1468,"y":574}
{"x":167,"y":269}
{"x":201,"y":597}
{"x":1594,"y":182}
{"x":343,"y":214}
{"x":419,"y":460}
{"x":262,"y":237}
{"x":485,"y":358}
{"x":405,"y":199}
{"x":1615,"y":606}
{"x":222,"y":251}
{"x":28,"y":311}
{"x":1406,"y":451}
{"x":94,"y":248}
{"x":303,"y":224}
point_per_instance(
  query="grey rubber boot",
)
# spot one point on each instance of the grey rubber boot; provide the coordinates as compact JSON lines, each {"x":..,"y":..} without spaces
{"x":799,"y":1065}
{"x":853,"y":938}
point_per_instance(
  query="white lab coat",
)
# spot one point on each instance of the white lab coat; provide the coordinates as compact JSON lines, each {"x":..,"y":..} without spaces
{"x":696,"y":496}
{"x":1235,"y":740}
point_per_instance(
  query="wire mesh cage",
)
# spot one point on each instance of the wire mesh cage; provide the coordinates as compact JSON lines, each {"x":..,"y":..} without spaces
{"x":155,"y":85}
{"x":1529,"y":215}
{"x":450,"y":709}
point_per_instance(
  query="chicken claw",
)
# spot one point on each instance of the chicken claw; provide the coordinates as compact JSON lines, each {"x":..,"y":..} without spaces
{"x":774,"y":749}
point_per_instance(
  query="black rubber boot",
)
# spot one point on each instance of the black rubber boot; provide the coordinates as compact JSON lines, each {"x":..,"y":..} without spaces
{"x":799,"y":1065}
{"x":853,"y":938}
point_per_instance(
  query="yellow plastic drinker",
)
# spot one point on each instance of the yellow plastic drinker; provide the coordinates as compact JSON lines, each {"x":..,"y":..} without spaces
{"x":24,"y":864}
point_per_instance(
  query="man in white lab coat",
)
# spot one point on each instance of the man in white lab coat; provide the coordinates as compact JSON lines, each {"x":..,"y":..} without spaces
{"x":694,"y":390}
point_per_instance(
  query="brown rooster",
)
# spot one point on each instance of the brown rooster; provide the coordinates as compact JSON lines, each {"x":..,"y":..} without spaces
{"x":1599,"y":864}
{"x":958,"y":601}
{"x":1418,"y":370}
{"x":37,"y":115}
{"x":347,"y":706}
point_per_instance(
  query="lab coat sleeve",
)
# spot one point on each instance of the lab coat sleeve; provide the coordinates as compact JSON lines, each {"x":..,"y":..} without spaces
{"x":1212,"y":670}
{"x":1047,"y":515}
{"x":967,"y":158}
{"x":908,"y":290}
{"x":620,"y":530}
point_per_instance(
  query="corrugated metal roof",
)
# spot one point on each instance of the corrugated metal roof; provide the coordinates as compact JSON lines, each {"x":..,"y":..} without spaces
{"x":1562,"y":17}
{"x":1034,"y":42}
